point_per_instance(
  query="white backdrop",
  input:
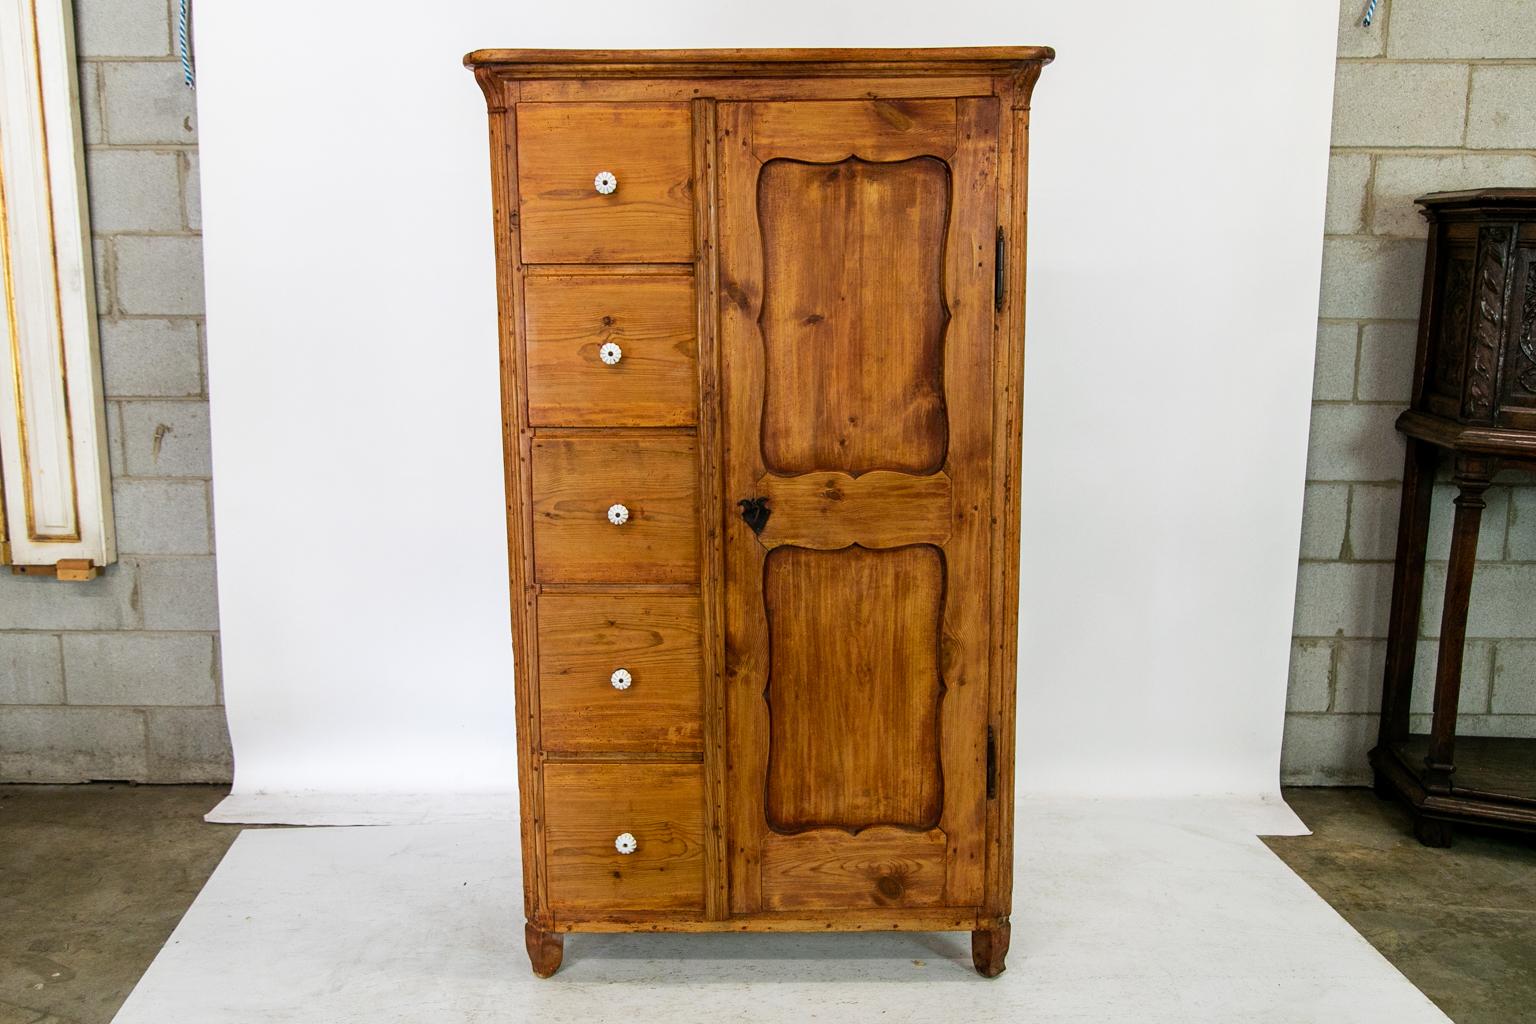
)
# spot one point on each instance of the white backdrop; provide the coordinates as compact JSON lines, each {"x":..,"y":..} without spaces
{"x":1178,"y":172}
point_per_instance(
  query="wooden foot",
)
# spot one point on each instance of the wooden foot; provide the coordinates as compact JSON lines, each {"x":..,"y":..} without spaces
{"x":1382,"y":787}
{"x":989,"y":948}
{"x":1432,"y":831}
{"x":545,"y":950}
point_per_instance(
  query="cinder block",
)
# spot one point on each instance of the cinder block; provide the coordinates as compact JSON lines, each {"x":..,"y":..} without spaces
{"x":162,"y":517}
{"x":1311,"y":675}
{"x":166,"y":438}
{"x":1354,"y":442}
{"x":90,"y":102}
{"x":1517,"y":726}
{"x":139,"y":668}
{"x":1355,"y":39}
{"x":152,"y":358}
{"x":192,"y":191}
{"x":1501,"y":601}
{"x":1402,"y":179}
{"x":1468,"y":28}
{"x":71,"y":744}
{"x":1357,"y":678}
{"x":1381,"y":104}
{"x":31,"y":671}
{"x":1522,"y":524}
{"x":133,"y":190}
{"x":107,"y":602}
{"x":189,"y":745}
{"x":1372,"y":278}
{"x":1386,"y":362}
{"x":101,"y":272}
{"x":1514,"y":678}
{"x":1327,"y":750}
{"x":1324,"y":513}
{"x":160,"y":275}
{"x":122,"y":28}
{"x":1348,"y":176}
{"x":146,"y":102}
{"x":178,"y":593}
{"x":1373,"y":515}
{"x":1476,"y":680}
{"x":1342,"y":599}
{"x":1333,"y":374}
{"x":1490,"y":539}
{"x":1502,"y":112}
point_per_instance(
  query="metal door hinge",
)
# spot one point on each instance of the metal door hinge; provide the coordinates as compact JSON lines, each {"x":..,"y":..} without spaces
{"x":1000,"y":269}
{"x":991,"y":764}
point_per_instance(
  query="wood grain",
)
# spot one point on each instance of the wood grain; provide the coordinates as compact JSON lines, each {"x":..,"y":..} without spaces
{"x":588,"y":805}
{"x":833,"y":510}
{"x":853,"y":312}
{"x":650,"y":318}
{"x":826,"y":870}
{"x":853,"y":688}
{"x":583,"y":639}
{"x":648,"y":147}
{"x":575,"y":480}
{"x":883,"y":129}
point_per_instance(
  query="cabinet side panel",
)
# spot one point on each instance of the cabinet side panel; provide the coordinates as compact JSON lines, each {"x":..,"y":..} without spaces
{"x":1008,"y":395}
{"x":501,"y":98}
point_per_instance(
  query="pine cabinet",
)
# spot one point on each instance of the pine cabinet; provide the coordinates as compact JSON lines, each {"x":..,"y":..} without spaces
{"x":762,"y":351}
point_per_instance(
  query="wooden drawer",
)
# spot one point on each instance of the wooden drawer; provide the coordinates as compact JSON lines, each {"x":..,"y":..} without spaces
{"x":587,"y":806}
{"x":584,"y":638}
{"x":648,"y":147}
{"x":577,"y":480}
{"x":649,"y":318}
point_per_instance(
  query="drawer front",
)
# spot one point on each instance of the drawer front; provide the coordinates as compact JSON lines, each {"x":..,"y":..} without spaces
{"x":657,"y":706}
{"x":578,"y":481}
{"x":647,"y":148}
{"x":589,"y":806}
{"x":649,"y":375}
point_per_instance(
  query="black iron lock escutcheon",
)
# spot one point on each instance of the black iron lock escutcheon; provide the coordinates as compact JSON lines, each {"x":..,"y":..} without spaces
{"x":755,"y":513}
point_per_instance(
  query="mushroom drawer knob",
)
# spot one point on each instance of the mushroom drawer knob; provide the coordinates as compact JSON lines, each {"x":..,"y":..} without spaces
{"x":610,"y":354}
{"x":621,"y":679}
{"x":618,"y":515}
{"x":605,"y":183}
{"x":625,"y":843}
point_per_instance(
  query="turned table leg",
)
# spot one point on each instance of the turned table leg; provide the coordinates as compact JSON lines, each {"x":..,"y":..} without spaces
{"x":1472,"y":479}
{"x":989,"y":948}
{"x":545,"y":950}
{"x":1407,"y":594}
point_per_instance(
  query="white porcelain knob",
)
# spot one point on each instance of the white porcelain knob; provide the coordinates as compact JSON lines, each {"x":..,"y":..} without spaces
{"x":605,"y":182}
{"x":610,"y":353}
{"x":621,"y":679}
{"x":618,"y":515}
{"x":625,"y":843}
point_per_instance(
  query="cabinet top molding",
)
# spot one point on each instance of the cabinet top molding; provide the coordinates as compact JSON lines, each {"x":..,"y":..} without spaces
{"x":738,"y":62}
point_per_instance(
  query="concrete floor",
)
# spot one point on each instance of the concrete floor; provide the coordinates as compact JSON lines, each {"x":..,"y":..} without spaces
{"x":1459,"y":923}
{"x":94,"y":878}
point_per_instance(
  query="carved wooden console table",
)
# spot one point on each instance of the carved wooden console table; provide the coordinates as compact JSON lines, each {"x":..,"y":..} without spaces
{"x":1474,"y":396}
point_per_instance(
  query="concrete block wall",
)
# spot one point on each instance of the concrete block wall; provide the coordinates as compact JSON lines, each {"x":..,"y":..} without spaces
{"x":1433,"y":96}
{"x":118,"y":678}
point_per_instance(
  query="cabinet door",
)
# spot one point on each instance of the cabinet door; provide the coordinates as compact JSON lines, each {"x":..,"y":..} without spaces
{"x":857,"y":244}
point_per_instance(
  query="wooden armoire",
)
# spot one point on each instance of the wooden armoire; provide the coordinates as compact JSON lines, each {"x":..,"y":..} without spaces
{"x":762,"y":340}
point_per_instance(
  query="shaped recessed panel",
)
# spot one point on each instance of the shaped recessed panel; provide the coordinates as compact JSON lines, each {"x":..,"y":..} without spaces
{"x":853,"y":315}
{"x":854,"y":687}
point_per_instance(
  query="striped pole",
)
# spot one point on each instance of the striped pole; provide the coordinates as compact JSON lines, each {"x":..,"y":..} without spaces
{"x":186,"y":52}
{"x":1370,"y":12}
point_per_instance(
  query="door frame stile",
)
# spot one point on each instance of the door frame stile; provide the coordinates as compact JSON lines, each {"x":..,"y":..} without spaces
{"x":711,"y":508}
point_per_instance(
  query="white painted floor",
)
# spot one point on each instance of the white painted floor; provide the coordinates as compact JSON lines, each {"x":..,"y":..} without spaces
{"x":1138,"y":912}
